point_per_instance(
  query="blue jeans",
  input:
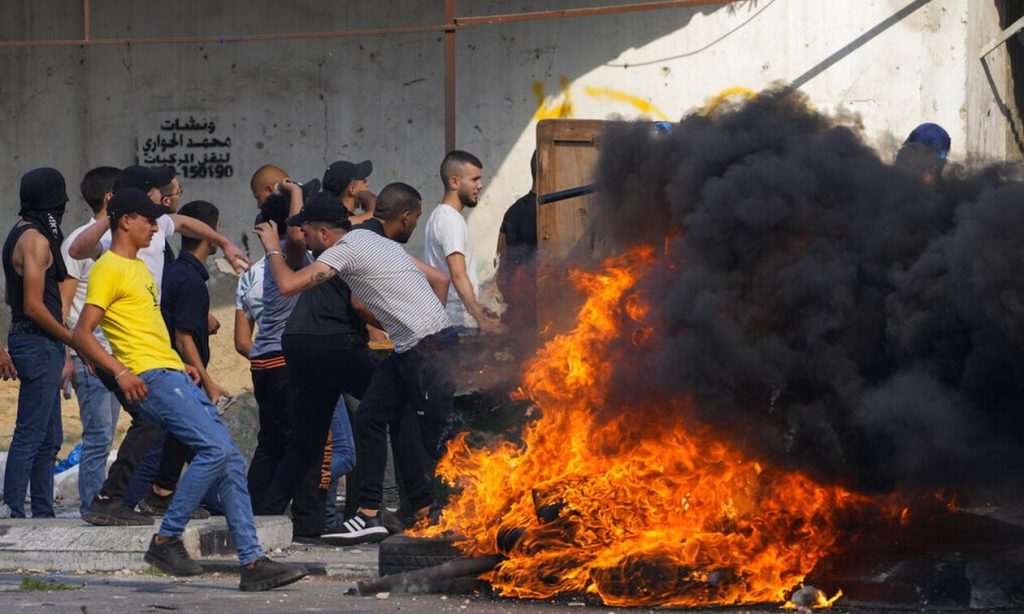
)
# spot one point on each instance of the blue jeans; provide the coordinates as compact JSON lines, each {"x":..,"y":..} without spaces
{"x":37,"y":429}
{"x":98,"y":409}
{"x":343,"y":459}
{"x":176,"y":405}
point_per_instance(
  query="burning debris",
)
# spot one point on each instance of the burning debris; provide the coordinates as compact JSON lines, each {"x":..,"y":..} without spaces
{"x":789,"y":323}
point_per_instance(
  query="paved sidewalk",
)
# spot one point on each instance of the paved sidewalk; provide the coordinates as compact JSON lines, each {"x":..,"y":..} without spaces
{"x":72,"y":545}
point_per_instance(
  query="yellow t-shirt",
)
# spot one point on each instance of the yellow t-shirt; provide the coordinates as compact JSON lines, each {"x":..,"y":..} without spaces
{"x":132,"y":323}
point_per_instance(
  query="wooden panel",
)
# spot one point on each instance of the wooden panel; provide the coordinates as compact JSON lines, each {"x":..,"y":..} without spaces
{"x":567,"y":152}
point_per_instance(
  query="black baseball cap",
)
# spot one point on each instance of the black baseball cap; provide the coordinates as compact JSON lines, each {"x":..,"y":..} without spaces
{"x":341,"y":173}
{"x":127,"y":201}
{"x":324,"y":207}
{"x":143,"y":178}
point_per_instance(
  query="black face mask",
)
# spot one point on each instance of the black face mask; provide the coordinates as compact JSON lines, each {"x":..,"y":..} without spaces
{"x":43,"y":200}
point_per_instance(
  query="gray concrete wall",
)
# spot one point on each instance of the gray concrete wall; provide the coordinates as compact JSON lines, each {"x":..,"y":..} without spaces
{"x":302,"y":104}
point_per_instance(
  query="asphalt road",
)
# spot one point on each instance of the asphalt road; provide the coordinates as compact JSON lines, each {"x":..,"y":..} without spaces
{"x":219,"y":593}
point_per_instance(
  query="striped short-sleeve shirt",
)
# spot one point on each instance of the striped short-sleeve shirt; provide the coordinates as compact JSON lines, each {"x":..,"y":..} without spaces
{"x":385,"y":277}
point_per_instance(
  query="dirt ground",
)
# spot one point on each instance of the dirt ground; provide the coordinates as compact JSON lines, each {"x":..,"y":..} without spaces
{"x":226,"y":366}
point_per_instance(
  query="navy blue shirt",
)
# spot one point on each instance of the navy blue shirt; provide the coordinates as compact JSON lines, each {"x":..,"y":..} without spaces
{"x":185,"y":301}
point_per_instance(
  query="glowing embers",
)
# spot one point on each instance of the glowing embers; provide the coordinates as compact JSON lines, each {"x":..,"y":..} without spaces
{"x":635,"y":506}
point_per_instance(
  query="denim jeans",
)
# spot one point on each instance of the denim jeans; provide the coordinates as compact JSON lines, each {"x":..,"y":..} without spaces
{"x":175,"y":404}
{"x":99,"y":410}
{"x":343,"y":458}
{"x":37,"y":428}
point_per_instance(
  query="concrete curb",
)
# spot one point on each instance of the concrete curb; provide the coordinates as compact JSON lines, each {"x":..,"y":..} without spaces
{"x":72,"y":545}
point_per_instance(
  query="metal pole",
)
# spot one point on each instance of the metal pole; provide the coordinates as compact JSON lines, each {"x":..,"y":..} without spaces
{"x":585,"y":12}
{"x":86,"y":26}
{"x":449,"y":75}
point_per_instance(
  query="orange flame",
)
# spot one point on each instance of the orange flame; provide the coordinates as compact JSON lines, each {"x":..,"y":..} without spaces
{"x":634,"y":512}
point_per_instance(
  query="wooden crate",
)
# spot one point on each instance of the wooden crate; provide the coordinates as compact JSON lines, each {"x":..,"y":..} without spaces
{"x":567,"y":152}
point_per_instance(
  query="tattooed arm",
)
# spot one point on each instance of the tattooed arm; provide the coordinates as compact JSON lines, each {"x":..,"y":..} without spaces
{"x":290,"y":282}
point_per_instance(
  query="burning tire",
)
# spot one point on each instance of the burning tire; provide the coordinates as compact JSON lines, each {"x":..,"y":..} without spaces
{"x":400,"y":553}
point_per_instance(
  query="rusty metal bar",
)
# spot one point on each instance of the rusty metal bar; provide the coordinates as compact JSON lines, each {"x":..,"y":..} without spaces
{"x":449,"y":75}
{"x":86,"y":26}
{"x":458,"y":23}
{"x":585,"y":12}
{"x":225,"y":38}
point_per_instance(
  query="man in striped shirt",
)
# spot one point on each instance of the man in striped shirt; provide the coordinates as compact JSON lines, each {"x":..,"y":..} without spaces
{"x":407,"y":298}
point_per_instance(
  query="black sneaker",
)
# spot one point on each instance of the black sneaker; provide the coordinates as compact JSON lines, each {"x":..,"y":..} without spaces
{"x":265,"y":574}
{"x":156,"y":505}
{"x":356,"y":530}
{"x":171,"y":557}
{"x":113,"y":513}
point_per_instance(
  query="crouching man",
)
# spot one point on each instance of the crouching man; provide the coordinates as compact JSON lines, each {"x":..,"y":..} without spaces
{"x":122,"y":300}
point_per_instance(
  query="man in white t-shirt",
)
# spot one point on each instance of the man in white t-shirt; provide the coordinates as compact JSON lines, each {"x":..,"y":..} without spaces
{"x":449,"y":248}
{"x":98,"y":408}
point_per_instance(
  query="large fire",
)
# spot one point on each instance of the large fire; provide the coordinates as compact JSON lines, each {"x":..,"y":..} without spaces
{"x":634,"y":512}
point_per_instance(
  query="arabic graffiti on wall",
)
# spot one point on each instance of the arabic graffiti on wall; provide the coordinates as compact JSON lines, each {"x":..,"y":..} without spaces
{"x":192,"y":146}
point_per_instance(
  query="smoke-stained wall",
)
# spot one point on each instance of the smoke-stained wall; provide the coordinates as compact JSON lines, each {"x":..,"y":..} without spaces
{"x":304,"y":103}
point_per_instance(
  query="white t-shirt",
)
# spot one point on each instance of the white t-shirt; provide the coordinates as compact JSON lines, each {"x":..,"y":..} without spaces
{"x":446,"y":234}
{"x":152,"y":256}
{"x":79,"y":269}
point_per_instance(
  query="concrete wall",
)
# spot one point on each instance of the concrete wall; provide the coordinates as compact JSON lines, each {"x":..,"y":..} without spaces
{"x":302,"y":104}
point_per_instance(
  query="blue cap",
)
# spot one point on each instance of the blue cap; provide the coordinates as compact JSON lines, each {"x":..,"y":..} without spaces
{"x":932,"y":135}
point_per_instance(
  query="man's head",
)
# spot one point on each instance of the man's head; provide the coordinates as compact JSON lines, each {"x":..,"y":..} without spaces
{"x":44,"y":197}
{"x":206,"y":213}
{"x":345,"y":179}
{"x":264,"y":180}
{"x":924,"y":152}
{"x":323,"y":220}
{"x":463,"y":176}
{"x":133,"y":216}
{"x":147,"y":179}
{"x":170,"y":195}
{"x":98,"y":186}
{"x":919,"y":160}
{"x":43,"y":189}
{"x":399,"y":206}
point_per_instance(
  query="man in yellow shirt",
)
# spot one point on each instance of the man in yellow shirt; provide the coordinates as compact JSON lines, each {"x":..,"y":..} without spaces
{"x":122,"y":300}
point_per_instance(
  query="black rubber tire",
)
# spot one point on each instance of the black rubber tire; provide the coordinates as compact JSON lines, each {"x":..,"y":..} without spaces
{"x":400,"y":553}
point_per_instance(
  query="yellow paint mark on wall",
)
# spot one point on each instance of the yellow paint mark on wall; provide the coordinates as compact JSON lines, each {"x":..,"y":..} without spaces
{"x":560,"y":106}
{"x":638,"y":103}
{"x":725,"y":95}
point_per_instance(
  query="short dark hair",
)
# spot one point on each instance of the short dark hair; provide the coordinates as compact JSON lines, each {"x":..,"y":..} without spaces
{"x":96,"y":184}
{"x":395,"y":199}
{"x":454,"y":159}
{"x":203,"y":211}
{"x":533,"y":165}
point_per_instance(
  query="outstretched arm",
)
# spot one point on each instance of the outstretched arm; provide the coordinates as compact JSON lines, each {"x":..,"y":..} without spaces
{"x":289,"y":282}
{"x":87,"y":243}
{"x":191,"y":227}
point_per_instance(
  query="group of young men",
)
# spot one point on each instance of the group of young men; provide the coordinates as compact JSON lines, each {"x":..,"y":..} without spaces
{"x":112,"y":310}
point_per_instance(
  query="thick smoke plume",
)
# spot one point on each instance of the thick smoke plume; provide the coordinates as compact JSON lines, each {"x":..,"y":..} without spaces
{"x":820,"y":306}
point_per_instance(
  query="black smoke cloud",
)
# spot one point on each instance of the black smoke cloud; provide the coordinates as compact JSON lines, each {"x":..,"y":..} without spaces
{"x":823,"y":308}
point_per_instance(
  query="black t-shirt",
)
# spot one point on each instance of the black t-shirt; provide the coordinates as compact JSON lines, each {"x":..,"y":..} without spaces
{"x":185,"y":301}
{"x":327,"y":309}
{"x":520,"y":229}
